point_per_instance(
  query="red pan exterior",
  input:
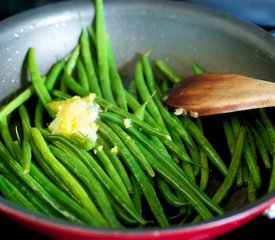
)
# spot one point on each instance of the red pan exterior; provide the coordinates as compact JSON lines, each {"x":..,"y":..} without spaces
{"x":207,"y":230}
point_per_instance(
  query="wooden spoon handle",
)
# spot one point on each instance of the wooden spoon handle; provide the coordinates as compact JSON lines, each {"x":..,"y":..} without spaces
{"x":215,"y":93}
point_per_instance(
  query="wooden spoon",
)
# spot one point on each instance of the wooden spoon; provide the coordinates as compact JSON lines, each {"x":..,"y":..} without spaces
{"x":216,"y":93}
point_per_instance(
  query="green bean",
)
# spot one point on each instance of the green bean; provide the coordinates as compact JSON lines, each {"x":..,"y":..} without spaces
{"x":35,"y":186}
{"x":149,"y":86}
{"x":245,"y":174}
{"x":155,"y":139}
{"x":204,"y":171}
{"x":94,"y":167}
{"x":67,"y":200}
{"x":177,"y":178}
{"x":6,"y":135}
{"x":135,"y":120}
{"x":86,"y":54}
{"x":148,"y":73}
{"x":240,"y":179}
{"x":136,"y":194}
{"x":176,"y":171}
{"x":22,"y":97}
{"x":118,"y":89}
{"x":39,"y":115}
{"x":90,"y":181}
{"x":62,"y":197}
{"x":195,"y":156}
{"x":99,"y":151}
{"x":170,"y":119}
{"x":10,"y":192}
{"x":231,"y":141}
{"x":151,"y":145}
{"x":52,"y":76}
{"x":63,"y":174}
{"x":261,"y":148}
{"x":186,"y":166}
{"x":116,"y":81}
{"x":205,"y":145}
{"x":168,"y":194}
{"x":251,"y":141}
{"x":82,"y":75}
{"x":33,"y":203}
{"x":235,"y":123}
{"x":140,"y":112}
{"x":187,"y":210}
{"x":195,"y":67}
{"x":233,"y":168}
{"x":38,"y":83}
{"x":197,"y":151}
{"x":145,"y":95}
{"x":74,"y":86}
{"x":113,"y":155}
{"x":91,"y":34}
{"x":70,"y":66}
{"x":249,"y":153}
{"x":26,"y":147}
{"x":261,"y":129}
{"x":271,"y":185}
{"x":72,"y":60}
{"x":123,"y":215}
{"x":170,"y":144}
{"x":102,"y":52}
{"x":168,"y":71}
{"x":50,"y":173}
{"x":132,"y":89}
{"x":140,"y":176}
{"x":131,"y":145}
{"x":251,"y":190}
{"x":60,"y":95}
{"x":229,"y":134}
{"x":135,"y":106}
{"x":164,"y":86}
{"x":252,"y":166}
{"x":17,"y":150}
{"x":271,"y":131}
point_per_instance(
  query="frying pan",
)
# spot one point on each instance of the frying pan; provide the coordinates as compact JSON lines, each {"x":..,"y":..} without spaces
{"x":216,"y":41}
{"x":260,"y":12}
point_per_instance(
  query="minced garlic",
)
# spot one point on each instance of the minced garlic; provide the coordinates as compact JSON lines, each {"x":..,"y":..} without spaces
{"x":127,"y":122}
{"x":194,"y":114}
{"x":180,"y":111}
{"x":115,"y":150}
{"x":76,"y":115}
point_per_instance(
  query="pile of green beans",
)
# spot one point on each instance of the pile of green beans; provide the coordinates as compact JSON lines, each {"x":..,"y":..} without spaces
{"x":167,"y":169}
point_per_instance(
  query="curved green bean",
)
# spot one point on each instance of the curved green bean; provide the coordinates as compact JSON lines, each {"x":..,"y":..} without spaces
{"x":233,"y":168}
{"x":90,"y":181}
{"x":63,"y":174}
{"x":38,"y":83}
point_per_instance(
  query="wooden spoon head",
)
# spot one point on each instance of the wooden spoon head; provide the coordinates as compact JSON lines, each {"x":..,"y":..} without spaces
{"x":217,"y":93}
